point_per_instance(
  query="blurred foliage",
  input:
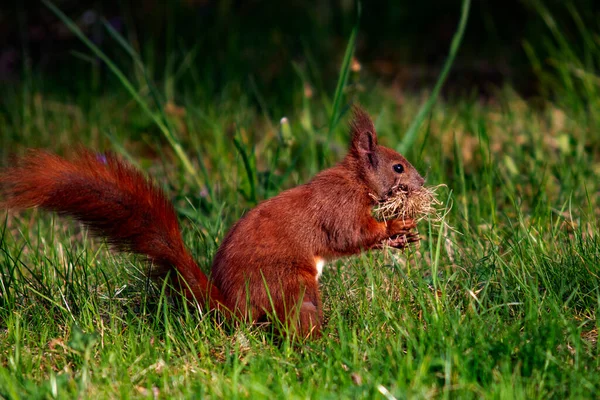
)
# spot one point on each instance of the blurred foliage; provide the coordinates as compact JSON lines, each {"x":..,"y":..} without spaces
{"x":252,"y":43}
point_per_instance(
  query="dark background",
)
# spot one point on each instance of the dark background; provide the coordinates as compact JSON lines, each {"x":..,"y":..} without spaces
{"x":234,"y":41}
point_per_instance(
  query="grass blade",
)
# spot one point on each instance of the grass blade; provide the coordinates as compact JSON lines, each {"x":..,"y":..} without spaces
{"x":344,"y":72}
{"x":411,"y":133}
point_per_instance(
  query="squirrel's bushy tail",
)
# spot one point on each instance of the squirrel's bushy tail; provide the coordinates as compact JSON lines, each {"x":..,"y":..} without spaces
{"x":116,"y":201}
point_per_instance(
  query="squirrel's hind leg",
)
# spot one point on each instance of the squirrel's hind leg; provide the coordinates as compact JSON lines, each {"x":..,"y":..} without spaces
{"x":293,"y":305}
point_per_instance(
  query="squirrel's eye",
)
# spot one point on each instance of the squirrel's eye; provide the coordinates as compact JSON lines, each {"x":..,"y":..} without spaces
{"x":399,"y":168}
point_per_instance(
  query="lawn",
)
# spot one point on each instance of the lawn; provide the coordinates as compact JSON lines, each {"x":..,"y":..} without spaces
{"x":500,"y":301}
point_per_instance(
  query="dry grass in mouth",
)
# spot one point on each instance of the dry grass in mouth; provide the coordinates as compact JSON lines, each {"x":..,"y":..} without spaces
{"x":416,"y":204}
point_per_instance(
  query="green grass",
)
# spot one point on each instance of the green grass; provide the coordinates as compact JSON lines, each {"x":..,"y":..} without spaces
{"x":505,"y":306}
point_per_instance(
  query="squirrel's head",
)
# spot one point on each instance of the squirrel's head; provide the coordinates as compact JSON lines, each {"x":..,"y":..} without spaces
{"x":383,"y":170}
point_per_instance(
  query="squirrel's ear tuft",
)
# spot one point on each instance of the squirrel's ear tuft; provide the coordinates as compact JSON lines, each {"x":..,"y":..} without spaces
{"x":364,"y":138}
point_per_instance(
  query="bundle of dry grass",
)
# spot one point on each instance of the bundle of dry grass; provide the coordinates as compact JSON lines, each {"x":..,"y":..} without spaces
{"x":416,"y":204}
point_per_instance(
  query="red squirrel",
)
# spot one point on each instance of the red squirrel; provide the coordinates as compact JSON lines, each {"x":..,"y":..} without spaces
{"x":269,"y":263}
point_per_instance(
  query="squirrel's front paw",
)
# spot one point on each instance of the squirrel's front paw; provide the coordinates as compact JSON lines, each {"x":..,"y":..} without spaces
{"x":397,"y":227}
{"x":402,"y":241}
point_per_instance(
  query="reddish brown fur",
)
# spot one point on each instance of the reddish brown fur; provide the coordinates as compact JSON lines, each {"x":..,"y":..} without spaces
{"x":274,"y":246}
{"x":113,"y":199}
{"x":266,"y":264}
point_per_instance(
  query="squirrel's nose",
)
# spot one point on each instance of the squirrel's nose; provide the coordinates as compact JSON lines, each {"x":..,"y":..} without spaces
{"x":421,"y":180}
{"x":418,"y":182}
